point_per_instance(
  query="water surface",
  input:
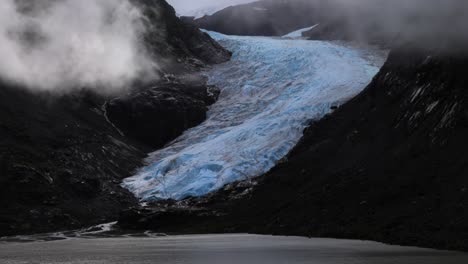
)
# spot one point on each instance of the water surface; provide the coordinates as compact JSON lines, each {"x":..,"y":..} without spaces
{"x":220,"y":249}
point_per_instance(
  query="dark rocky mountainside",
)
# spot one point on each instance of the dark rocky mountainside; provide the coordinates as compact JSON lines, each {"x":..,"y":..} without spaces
{"x":262,"y":18}
{"x":158,"y":115}
{"x":62,"y":158}
{"x":61,"y":162}
{"x":390,"y":165}
{"x":278,"y":17}
{"x":176,"y":45}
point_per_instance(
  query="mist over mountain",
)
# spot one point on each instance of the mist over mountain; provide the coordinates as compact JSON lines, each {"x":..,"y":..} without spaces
{"x":75,"y":109}
{"x":261,"y":18}
{"x":201,"y":8}
{"x":62,"y":45}
{"x":422,"y":23}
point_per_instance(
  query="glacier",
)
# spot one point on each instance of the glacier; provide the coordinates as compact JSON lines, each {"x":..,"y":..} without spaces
{"x":270,"y":91}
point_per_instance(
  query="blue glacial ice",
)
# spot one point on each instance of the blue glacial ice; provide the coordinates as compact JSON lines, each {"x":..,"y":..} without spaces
{"x":270,"y":90}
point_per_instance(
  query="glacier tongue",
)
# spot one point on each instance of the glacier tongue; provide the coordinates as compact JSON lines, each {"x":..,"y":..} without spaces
{"x":271,"y":90}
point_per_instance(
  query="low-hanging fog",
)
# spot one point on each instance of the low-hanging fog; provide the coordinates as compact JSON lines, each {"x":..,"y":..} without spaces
{"x":420,"y":22}
{"x":65,"y":44}
{"x":69,"y":44}
{"x":203,"y":7}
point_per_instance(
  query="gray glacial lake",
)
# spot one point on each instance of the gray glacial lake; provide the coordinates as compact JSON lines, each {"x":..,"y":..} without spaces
{"x":219,"y":249}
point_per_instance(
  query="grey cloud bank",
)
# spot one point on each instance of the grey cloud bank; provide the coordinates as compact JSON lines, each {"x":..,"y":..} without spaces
{"x":423,"y":22}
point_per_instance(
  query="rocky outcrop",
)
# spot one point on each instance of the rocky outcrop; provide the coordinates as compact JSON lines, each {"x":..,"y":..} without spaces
{"x":158,"y":115}
{"x":177,"y":46}
{"x":61,"y":162}
{"x":390,"y":165}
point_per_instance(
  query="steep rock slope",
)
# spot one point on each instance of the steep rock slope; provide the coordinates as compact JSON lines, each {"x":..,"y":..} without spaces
{"x":60,"y":162}
{"x":61,"y":157}
{"x":158,"y":115}
{"x":177,"y":45}
{"x":180,"y":98}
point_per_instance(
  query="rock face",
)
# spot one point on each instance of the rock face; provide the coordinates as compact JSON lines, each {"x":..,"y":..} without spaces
{"x":154,"y":116}
{"x":62,"y":159}
{"x":176,"y":45}
{"x":158,"y":115}
{"x":60,"y":162}
{"x":390,"y":165}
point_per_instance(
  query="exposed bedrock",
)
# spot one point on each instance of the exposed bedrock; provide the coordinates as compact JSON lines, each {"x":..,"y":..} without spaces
{"x":160,"y":114}
{"x":177,"y":46}
{"x":61,"y":162}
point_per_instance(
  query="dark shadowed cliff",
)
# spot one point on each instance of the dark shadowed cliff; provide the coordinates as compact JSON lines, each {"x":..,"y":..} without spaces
{"x":61,"y":157}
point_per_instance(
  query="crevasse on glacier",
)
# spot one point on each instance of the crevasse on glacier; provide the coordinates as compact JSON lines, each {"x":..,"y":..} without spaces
{"x":271,"y":90}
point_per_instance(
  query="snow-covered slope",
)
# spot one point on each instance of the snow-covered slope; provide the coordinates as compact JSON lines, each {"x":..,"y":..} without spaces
{"x":271,"y":90}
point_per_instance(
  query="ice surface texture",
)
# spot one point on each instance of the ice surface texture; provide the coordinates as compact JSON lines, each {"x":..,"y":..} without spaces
{"x":271,"y":90}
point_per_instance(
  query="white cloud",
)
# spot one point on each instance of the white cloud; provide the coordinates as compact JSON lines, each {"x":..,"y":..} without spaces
{"x":61,"y":45}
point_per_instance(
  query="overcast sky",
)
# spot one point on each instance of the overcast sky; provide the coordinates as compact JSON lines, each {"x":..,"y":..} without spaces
{"x":192,"y":7}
